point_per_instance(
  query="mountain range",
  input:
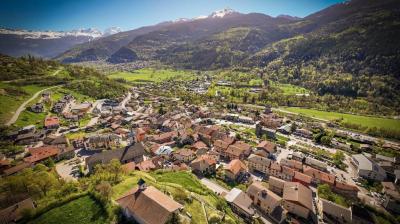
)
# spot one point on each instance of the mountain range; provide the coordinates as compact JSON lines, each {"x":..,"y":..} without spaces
{"x":47,"y":44}
{"x":349,"y":49}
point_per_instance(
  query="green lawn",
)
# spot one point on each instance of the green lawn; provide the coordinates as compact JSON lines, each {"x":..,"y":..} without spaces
{"x":27,"y":118}
{"x":82,"y":210}
{"x":9,"y":103}
{"x":365,"y":121}
{"x":153,"y":75}
{"x":289,"y":89}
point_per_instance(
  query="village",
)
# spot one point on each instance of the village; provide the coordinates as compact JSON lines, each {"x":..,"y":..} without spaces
{"x":266,"y":165}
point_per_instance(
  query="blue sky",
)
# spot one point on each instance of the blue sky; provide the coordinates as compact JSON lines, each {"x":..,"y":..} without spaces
{"x":129,"y":14}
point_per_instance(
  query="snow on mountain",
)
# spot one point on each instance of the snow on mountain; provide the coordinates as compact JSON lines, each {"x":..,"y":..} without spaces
{"x":111,"y":31}
{"x":27,"y":34}
{"x":222,"y":13}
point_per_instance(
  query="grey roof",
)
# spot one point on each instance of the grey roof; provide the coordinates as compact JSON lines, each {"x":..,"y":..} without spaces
{"x":365,"y":164}
{"x":128,"y":153}
{"x":259,"y":160}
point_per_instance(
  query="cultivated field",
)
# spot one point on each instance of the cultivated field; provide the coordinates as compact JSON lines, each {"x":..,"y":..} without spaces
{"x":365,"y":121}
{"x":152,"y":75}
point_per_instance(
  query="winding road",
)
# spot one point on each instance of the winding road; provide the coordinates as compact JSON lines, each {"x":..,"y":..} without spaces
{"x":21,"y":108}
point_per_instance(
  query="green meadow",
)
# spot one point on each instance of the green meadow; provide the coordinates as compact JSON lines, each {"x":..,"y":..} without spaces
{"x":153,"y":75}
{"x":361,"y":120}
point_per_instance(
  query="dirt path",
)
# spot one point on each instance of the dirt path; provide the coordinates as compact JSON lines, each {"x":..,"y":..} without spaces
{"x":21,"y":108}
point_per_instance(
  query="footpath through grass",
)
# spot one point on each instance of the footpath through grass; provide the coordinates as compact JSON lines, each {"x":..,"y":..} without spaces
{"x":365,"y":121}
{"x":10,"y":99}
{"x":153,"y":75}
{"x":83,"y":210}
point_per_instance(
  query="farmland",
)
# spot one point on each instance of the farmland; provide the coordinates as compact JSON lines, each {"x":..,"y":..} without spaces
{"x":152,"y":75}
{"x":364,"y":121}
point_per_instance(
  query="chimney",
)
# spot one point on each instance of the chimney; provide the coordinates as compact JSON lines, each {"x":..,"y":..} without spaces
{"x":141,"y":185}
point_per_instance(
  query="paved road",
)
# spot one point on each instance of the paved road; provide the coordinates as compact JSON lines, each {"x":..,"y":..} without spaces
{"x":21,"y":108}
{"x":213,"y":186}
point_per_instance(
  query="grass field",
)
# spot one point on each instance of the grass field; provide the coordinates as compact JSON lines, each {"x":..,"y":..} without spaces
{"x":10,"y":102}
{"x":152,"y":75}
{"x":365,"y":121}
{"x":289,"y":89}
{"x":83,"y":210}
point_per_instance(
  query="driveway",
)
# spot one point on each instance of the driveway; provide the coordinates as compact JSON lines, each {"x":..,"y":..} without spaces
{"x":213,"y":186}
{"x":68,"y":169}
{"x":21,"y":108}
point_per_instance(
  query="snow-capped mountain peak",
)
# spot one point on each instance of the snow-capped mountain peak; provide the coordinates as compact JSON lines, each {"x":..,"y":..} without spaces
{"x":90,"y":33}
{"x":112,"y":30}
{"x":222,"y":13}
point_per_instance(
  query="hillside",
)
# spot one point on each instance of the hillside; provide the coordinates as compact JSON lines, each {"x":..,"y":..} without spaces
{"x":352,"y":51}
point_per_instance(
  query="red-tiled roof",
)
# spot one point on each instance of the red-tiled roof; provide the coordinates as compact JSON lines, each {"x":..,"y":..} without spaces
{"x":41,"y":153}
{"x":235,"y":166}
{"x":50,"y":121}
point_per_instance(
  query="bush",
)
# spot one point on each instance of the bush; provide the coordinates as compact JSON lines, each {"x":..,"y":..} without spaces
{"x":214,"y":218}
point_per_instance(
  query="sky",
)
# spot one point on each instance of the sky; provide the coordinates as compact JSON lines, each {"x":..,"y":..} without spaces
{"x":65,"y":15}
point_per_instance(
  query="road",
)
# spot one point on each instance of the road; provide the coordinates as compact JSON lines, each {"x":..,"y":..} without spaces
{"x":125,"y":100}
{"x":21,"y":108}
{"x":213,"y":186}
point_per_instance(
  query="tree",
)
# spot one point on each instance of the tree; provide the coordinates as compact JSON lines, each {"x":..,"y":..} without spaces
{"x":326,"y":140}
{"x":105,"y":191}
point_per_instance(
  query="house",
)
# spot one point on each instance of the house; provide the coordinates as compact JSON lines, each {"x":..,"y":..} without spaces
{"x":316,"y":163}
{"x":346,"y":189}
{"x":58,"y":141}
{"x":51,"y":122}
{"x":164,"y":151}
{"x":275,"y":169}
{"x":285,"y":129}
{"x":303,"y":133}
{"x":258,"y":164}
{"x":287,"y":173}
{"x":294,"y":164}
{"x":221,"y":146}
{"x":276,"y":185}
{"x":184,"y":155}
{"x":302,"y":178}
{"x":333,"y":213}
{"x":128,"y":167}
{"x":130,"y":153}
{"x":261,"y":131}
{"x":235,"y":170}
{"x":240,"y":203}
{"x":14,"y":213}
{"x":147,"y":205}
{"x":37,"y":108}
{"x":267,"y":146}
{"x":140,"y":134}
{"x":42,"y":153}
{"x":200,"y":148}
{"x":164,"y":137}
{"x":266,"y":201}
{"x":367,"y":168}
{"x":238,"y":150}
{"x":100,"y":142}
{"x":15,"y":169}
{"x":204,"y":165}
{"x":392,"y":197}
{"x":147,"y":165}
{"x":81,"y":108}
{"x":319,"y":177}
{"x":297,"y":199}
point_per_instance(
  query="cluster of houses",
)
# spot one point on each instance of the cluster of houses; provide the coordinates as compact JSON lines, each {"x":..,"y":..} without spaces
{"x":145,"y":139}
